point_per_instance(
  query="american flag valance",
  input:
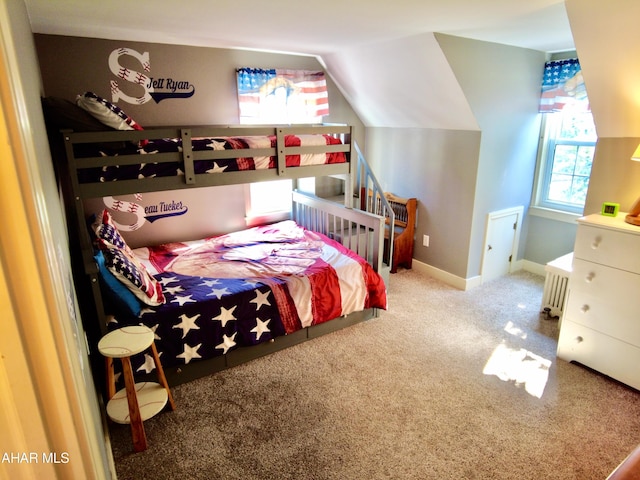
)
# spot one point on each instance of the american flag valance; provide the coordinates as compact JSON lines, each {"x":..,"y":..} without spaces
{"x":562,"y":84}
{"x":281,"y":96}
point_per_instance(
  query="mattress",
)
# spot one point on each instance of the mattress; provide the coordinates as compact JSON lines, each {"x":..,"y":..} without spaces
{"x":248,"y":287}
{"x":239,"y":156}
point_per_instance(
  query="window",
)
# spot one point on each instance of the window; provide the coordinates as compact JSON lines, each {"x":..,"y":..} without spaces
{"x":569,"y":139}
{"x":268,"y":201}
{"x":276,"y":96}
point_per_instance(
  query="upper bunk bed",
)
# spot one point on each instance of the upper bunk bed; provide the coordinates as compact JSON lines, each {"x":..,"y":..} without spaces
{"x":169,"y":158}
{"x":102,"y":151}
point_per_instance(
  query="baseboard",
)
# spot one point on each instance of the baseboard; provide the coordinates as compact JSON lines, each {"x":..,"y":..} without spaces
{"x":446,"y":277}
{"x":469,"y":283}
{"x":533,"y":267}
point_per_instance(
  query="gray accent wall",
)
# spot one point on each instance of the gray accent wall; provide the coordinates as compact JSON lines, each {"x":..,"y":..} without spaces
{"x":439,"y":168}
{"x":73,"y":65}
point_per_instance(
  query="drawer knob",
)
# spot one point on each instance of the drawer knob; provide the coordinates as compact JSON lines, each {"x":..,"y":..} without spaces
{"x":596,"y":243}
{"x":585,"y":308}
{"x":590,"y":277}
{"x":579,"y":339}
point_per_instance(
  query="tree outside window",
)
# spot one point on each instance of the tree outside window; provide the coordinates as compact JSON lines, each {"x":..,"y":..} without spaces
{"x":566,"y":160}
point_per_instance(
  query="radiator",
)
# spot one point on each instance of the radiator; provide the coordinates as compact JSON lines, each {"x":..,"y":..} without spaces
{"x":556,"y":284}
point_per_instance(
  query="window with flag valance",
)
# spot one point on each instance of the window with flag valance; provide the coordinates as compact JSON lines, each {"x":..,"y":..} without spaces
{"x":280,"y":96}
{"x":562,"y":84}
{"x":568,"y":140}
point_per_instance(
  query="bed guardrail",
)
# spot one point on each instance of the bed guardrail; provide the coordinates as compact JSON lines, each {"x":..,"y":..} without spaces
{"x":188,"y":156}
{"x":359,"y":231}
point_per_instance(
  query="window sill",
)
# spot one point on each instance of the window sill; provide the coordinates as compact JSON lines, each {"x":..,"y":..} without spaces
{"x":267,"y":218}
{"x":557,"y":215}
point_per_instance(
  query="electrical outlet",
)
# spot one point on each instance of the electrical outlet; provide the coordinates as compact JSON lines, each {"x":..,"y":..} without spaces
{"x":425,"y":240}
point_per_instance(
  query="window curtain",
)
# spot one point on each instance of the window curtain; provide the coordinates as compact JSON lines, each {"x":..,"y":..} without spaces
{"x":281,"y":96}
{"x":563,"y":85}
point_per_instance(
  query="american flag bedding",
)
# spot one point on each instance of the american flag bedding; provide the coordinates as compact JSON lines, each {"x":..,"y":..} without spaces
{"x":249,"y":287}
{"x":151,"y":169}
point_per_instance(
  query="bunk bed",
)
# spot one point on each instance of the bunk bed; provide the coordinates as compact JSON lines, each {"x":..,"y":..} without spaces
{"x":94,"y":164}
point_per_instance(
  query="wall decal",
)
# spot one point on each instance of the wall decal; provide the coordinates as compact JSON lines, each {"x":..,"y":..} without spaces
{"x":148,"y":213}
{"x":164,"y":210}
{"x":154,"y":88}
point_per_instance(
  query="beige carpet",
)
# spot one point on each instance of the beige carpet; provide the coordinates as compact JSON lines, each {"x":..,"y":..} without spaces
{"x":403,"y":396}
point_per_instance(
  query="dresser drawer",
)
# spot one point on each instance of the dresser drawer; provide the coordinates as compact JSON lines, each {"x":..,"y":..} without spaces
{"x":615,"y":320}
{"x":614,"y":248}
{"x":612,"y":284}
{"x":605,"y":354}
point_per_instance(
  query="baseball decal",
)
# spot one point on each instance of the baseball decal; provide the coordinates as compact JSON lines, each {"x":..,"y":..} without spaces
{"x":141,"y":213}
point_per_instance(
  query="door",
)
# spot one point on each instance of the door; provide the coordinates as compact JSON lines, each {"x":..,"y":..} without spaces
{"x":500,"y":249}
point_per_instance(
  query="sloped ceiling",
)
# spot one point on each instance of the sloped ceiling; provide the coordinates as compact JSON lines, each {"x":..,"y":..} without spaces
{"x":403,"y":83}
{"x":608,"y":43}
{"x":353,"y":39}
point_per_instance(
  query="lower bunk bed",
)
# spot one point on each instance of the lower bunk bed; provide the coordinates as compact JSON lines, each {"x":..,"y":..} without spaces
{"x":221,"y":301}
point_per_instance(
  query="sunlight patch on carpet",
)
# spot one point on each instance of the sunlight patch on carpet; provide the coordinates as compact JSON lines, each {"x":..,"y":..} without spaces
{"x":523,"y":368}
{"x":514,"y":330}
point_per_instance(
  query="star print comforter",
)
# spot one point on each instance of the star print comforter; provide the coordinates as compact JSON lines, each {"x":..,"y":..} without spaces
{"x":151,"y":169}
{"x":248,"y":287}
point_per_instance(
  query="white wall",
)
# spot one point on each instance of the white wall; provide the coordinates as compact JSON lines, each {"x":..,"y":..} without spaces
{"x":405,"y":83}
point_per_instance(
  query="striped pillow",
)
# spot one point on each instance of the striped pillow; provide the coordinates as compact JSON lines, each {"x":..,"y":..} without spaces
{"x":106,"y":112}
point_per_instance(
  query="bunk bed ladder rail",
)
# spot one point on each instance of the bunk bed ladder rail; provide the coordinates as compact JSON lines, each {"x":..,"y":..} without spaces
{"x":371,"y":198}
{"x":78,"y":228}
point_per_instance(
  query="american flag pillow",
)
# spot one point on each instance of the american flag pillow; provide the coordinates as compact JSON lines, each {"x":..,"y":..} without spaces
{"x":128,"y":269}
{"x":107,"y":231}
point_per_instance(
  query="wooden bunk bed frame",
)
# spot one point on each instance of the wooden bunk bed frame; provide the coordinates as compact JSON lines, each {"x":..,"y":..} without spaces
{"x":323,"y":216}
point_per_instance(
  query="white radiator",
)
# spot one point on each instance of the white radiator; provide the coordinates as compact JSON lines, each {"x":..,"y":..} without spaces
{"x":556,"y":284}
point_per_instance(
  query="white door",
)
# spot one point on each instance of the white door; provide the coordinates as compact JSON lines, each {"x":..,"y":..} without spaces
{"x":503,"y":229}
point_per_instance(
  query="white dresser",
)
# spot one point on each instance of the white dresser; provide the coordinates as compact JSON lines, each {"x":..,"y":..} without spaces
{"x":601,"y":324}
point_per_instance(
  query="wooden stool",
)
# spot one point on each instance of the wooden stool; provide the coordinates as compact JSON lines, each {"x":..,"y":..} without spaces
{"x":137,"y":401}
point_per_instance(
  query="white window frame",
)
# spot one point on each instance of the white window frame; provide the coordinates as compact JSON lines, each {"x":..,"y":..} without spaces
{"x":540,"y":206}
{"x":259,"y":210}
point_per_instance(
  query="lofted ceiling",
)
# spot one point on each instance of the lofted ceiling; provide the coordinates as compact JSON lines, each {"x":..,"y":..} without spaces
{"x":350,"y":38}
{"x":300,"y":27}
